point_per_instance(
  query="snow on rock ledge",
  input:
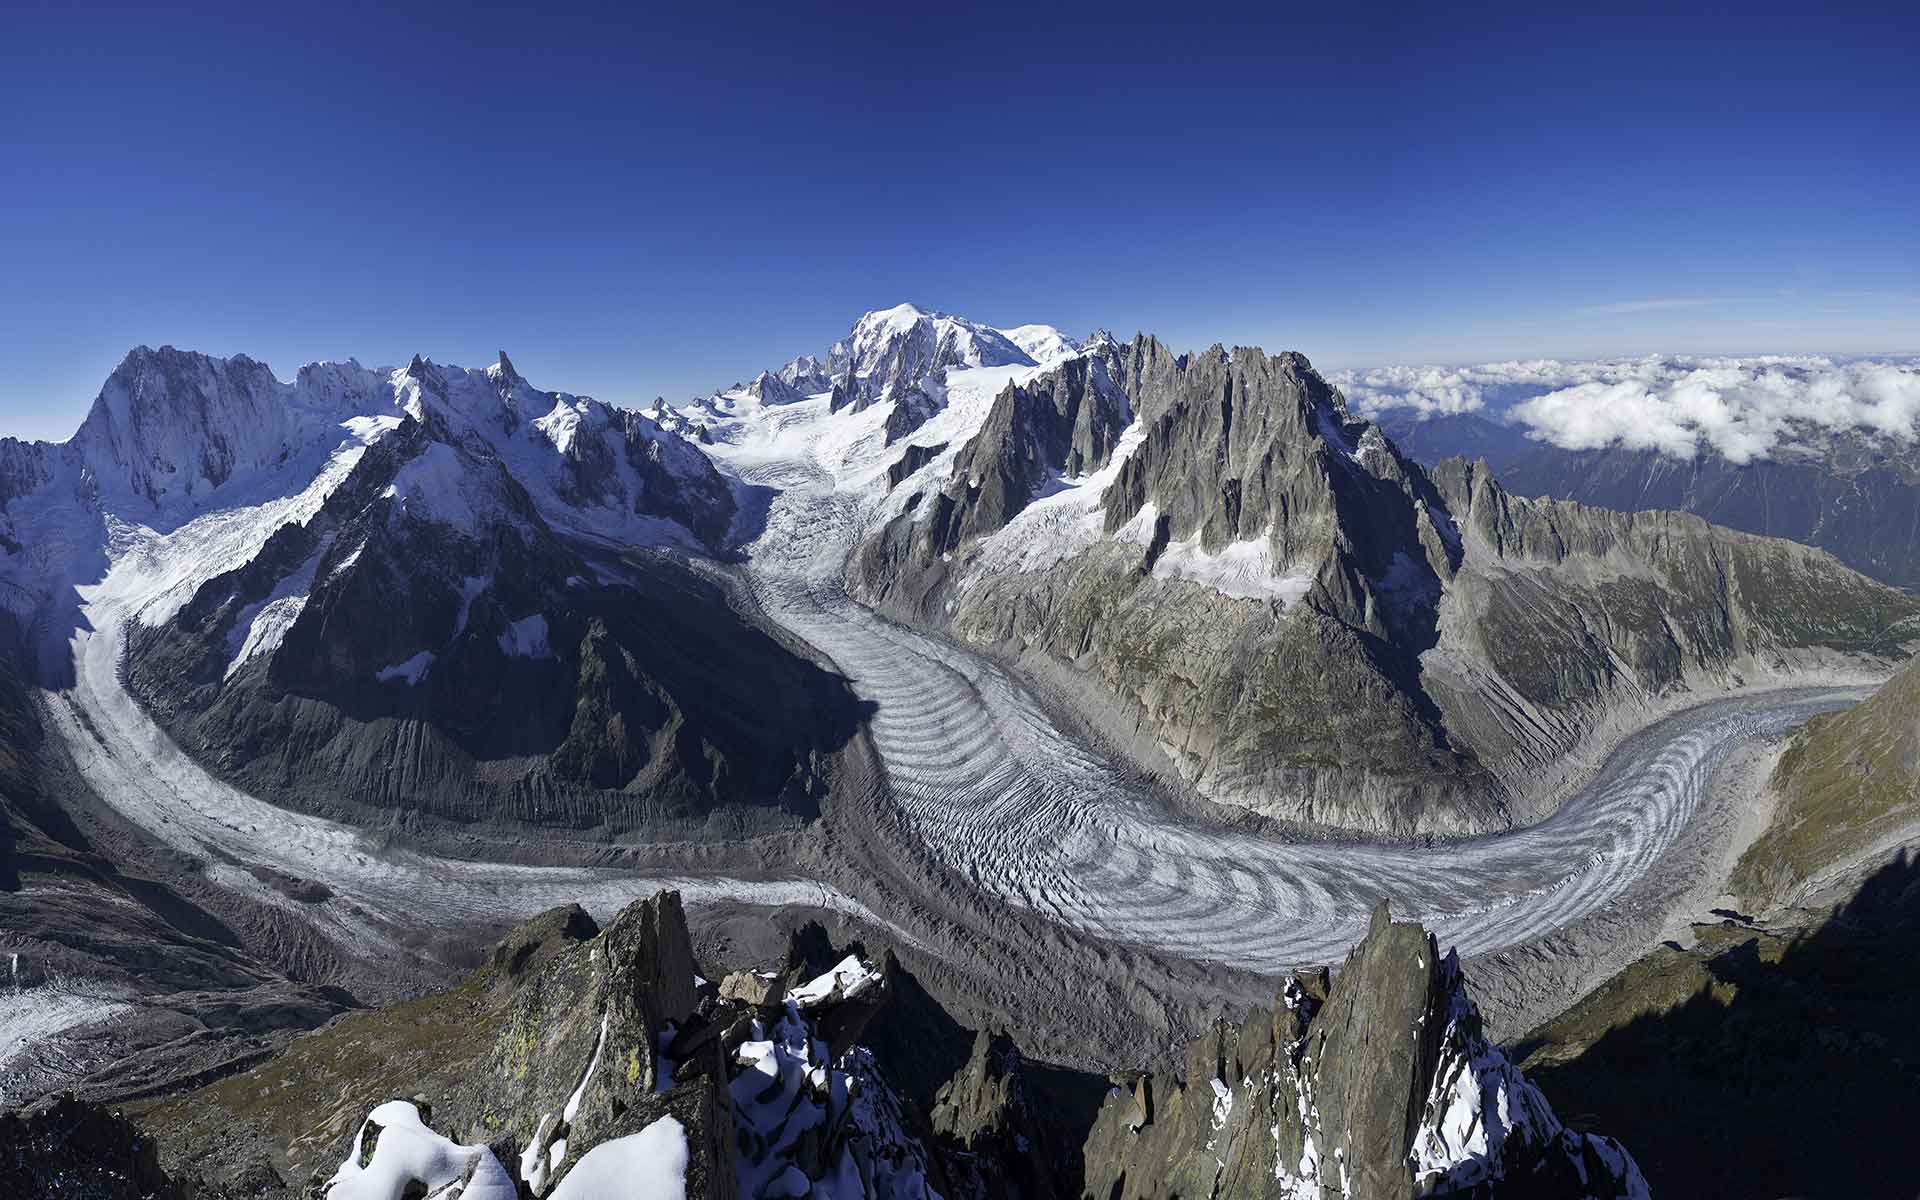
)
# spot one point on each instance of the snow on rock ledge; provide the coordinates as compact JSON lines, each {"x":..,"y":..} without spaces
{"x":395,"y":1153}
{"x":1374,"y":1082}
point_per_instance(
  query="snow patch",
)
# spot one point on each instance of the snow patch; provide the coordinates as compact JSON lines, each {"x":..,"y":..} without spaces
{"x":409,"y":672}
{"x":1479,"y":1102}
{"x":527,"y":638}
{"x":1043,"y":343}
{"x":470,"y":589}
{"x":436,"y":485}
{"x":649,"y":1165}
{"x":405,"y":1153}
{"x":847,"y":979}
{"x":1242,"y":570}
{"x":789,"y":1086}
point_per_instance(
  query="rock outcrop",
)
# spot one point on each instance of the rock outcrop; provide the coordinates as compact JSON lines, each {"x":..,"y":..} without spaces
{"x":571,"y":1053}
{"x":66,"y":1148}
{"x":987,"y":1125}
{"x":1380,"y":1085}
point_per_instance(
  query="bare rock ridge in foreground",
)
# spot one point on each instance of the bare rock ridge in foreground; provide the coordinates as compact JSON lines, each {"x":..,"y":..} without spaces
{"x":1270,"y":603}
{"x":578,"y":1056}
{"x":1378,"y":1084}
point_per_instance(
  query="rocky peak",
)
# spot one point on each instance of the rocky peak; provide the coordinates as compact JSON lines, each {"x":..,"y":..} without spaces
{"x":1386,"y":1087}
{"x":807,"y":374}
{"x":899,"y":355}
{"x":613,"y":1055}
{"x":984,"y":1119}
{"x":171,"y":425}
{"x":1244,"y":447}
{"x":769,"y":388}
{"x":1065,"y":423}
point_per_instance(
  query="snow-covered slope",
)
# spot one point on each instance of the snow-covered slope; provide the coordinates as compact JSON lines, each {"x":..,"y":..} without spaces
{"x":175,"y":436}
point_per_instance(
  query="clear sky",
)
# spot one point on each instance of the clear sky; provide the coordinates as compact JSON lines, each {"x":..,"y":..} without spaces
{"x":635,"y":203}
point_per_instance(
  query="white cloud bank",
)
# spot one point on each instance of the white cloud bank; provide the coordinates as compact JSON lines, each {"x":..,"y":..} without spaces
{"x":1740,"y":408}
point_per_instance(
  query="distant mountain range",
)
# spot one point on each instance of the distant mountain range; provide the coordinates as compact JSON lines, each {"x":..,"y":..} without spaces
{"x":1820,"y":451}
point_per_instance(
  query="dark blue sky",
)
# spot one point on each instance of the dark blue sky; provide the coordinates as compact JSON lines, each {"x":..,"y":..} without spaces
{"x":634,"y":204}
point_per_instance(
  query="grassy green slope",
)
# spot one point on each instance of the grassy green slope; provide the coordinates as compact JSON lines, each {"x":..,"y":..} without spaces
{"x":1844,"y":783}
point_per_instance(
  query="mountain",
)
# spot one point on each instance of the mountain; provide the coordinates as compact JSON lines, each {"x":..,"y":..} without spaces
{"x":1854,"y":493}
{"x":1260,"y":597}
{"x":1856,"y":497}
{"x":1014,"y":655}
{"x":1845,"y":790}
{"x":430,"y":590}
{"x":900,"y":356}
{"x":895,"y":360}
{"x":1431,"y":439}
{"x":575,"y":1052}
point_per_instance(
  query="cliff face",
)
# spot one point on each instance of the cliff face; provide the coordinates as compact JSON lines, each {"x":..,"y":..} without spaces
{"x":1261,"y":596}
{"x":1855,"y":497}
{"x":1379,"y":1085}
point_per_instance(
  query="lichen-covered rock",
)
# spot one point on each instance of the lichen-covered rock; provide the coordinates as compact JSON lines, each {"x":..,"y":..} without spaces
{"x":754,"y":989}
{"x":577,"y":1061}
{"x":1847,"y":784}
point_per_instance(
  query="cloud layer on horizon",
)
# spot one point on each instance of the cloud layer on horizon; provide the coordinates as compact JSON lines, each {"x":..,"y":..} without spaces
{"x":1740,"y":408}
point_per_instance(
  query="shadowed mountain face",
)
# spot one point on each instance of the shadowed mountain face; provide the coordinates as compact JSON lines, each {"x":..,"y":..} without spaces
{"x":1793,"y":1059}
{"x":1262,"y":597}
{"x":1788,"y":1040}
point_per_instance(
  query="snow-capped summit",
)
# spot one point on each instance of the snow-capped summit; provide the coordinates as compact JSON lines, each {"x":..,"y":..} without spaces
{"x":584,"y":463}
{"x":175,"y":435}
{"x":899,"y":357}
{"x":894,"y":348}
{"x":1046,"y":345}
{"x":173,"y":425}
